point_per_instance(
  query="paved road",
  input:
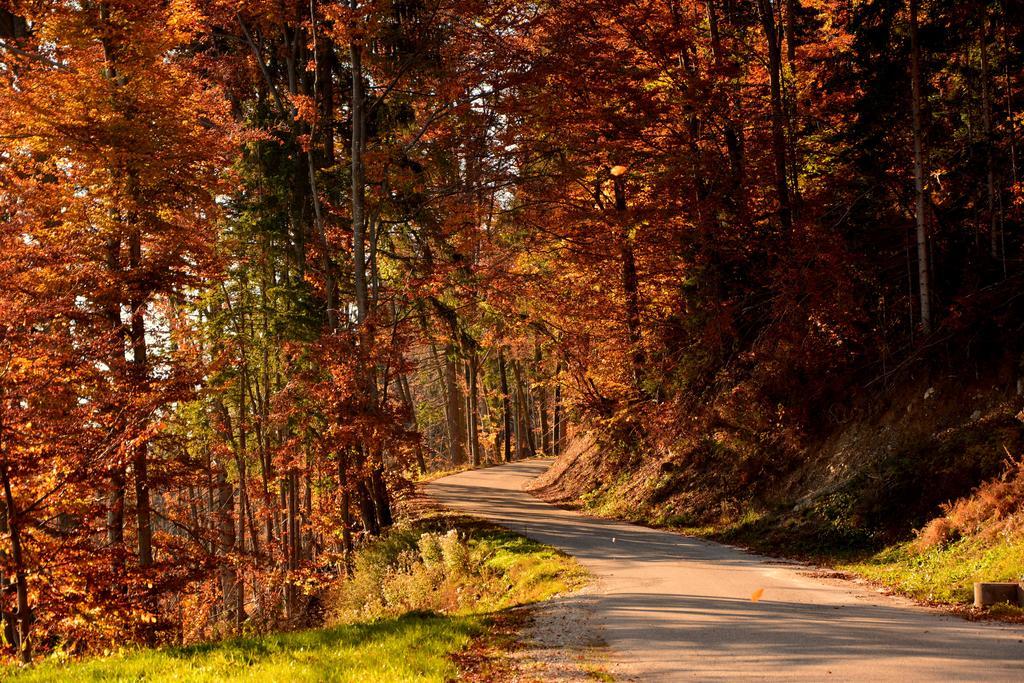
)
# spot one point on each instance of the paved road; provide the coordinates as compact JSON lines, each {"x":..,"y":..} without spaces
{"x":671,"y":607}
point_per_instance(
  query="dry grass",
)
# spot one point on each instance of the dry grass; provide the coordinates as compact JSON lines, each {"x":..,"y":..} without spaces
{"x":994,"y":512}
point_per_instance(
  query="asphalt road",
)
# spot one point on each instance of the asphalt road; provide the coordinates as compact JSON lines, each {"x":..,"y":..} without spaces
{"x":671,"y":607}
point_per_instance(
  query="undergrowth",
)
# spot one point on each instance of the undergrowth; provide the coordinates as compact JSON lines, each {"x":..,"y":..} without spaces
{"x":454,"y":565}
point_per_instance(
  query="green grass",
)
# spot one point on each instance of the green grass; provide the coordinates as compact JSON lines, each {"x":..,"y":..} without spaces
{"x":410,"y":647}
{"x":531,"y":572}
{"x":399,"y":619}
{"x":944,"y":574}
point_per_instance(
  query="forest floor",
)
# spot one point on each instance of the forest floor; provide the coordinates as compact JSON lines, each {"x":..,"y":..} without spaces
{"x":457,"y":612}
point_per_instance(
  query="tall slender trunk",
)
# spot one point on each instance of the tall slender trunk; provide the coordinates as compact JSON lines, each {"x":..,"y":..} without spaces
{"x":506,"y":408}
{"x":413,"y":424}
{"x":471,"y":451}
{"x":1008,"y":94}
{"x":115,"y":508}
{"x":358,"y":180}
{"x":778,"y":116}
{"x":310,"y":546}
{"x":986,"y":115}
{"x":732,"y":133}
{"x":245,"y":514}
{"x":367,"y":510}
{"x":296,"y":518}
{"x":919,"y":175}
{"x":140,"y":367}
{"x":375,"y":488}
{"x":630,"y":285}
{"x":230,"y":594}
{"x":792,"y":9}
{"x":23,"y":615}
{"x":442,"y":381}
{"x":115,"y":495}
{"x":456,"y":409}
{"x":381,"y":499}
{"x":345,"y":503}
{"x":558,"y":417}
{"x":289,"y":543}
{"x":542,"y":401}
{"x":527,"y":444}
{"x":474,"y":407}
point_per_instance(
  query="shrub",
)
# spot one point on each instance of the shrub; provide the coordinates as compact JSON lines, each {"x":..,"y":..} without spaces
{"x":456,"y":553}
{"x":430,"y":549}
{"x":408,"y":572}
{"x":417,"y":569}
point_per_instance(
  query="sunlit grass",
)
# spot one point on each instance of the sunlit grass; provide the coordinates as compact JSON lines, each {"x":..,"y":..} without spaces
{"x":411,"y":647}
{"x":532,"y":572}
{"x":943,"y":574}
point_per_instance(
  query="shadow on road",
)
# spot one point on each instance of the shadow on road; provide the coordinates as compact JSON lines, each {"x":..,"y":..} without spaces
{"x":671,"y":606}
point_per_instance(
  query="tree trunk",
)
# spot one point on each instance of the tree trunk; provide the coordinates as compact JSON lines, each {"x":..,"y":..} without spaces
{"x":771,"y":34}
{"x":506,"y":408}
{"x":289,"y":541}
{"x":474,"y":408}
{"x":140,"y":366}
{"x":792,"y":8}
{"x":381,"y":499}
{"x":542,"y":402}
{"x":558,"y":417}
{"x":442,"y":381}
{"x":115,"y":508}
{"x":456,"y":409}
{"x":115,"y":495}
{"x":471,"y":451}
{"x":367,"y":510}
{"x":630,"y":286}
{"x":524,"y":432}
{"x":919,"y":175}
{"x":23,"y":614}
{"x":345,"y":504}
{"x":1011,"y":120}
{"x":230,"y":593}
{"x":413,"y":424}
{"x":986,"y":114}
{"x":358,"y":181}
{"x":732,"y":133}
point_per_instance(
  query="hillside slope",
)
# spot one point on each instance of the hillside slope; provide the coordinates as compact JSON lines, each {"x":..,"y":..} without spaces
{"x":921,"y":492}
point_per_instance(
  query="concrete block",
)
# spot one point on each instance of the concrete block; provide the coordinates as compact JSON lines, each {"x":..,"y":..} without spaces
{"x":987,"y":594}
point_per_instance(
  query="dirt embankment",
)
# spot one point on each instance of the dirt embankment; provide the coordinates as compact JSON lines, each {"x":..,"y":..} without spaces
{"x":872,"y":479}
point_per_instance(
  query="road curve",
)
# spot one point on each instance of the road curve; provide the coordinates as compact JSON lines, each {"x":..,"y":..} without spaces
{"x":671,"y":607}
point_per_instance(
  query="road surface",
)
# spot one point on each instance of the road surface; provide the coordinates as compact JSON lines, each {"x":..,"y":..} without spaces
{"x":670,"y":607}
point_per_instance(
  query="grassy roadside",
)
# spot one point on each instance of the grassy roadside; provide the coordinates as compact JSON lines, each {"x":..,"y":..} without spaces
{"x":941,"y":575}
{"x":433,"y":599}
{"x":944,"y":575}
